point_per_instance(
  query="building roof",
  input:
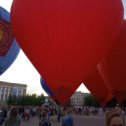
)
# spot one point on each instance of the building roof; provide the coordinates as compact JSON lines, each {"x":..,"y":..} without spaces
{"x":12,"y":84}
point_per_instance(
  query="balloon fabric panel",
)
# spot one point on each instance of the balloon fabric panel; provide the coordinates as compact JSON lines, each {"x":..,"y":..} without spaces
{"x":114,"y":66}
{"x":98,"y":88}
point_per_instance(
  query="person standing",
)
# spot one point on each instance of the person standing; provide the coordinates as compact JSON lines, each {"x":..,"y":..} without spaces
{"x":13,"y":118}
{"x":68,"y":120}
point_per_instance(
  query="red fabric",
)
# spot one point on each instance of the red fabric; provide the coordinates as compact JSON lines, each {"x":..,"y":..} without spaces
{"x":62,"y":94}
{"x":114,"y":66}
{"x":98,"y":87}
{"x":65,"y":39}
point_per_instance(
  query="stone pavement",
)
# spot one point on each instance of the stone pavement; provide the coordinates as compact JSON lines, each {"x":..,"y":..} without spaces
{"x":79,"y":121}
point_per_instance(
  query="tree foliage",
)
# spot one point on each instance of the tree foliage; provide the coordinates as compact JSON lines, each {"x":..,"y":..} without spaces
{"x":112,"y":103}
{"x":26,"y":100}
{"x":90,"y":100}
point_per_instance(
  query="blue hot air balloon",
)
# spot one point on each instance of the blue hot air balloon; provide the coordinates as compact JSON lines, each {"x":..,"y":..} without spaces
{"x":45,"y":87}
{"x":9,"y":49}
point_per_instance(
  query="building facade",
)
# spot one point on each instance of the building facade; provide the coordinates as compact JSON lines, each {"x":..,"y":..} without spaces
{"x":11,"y":89}
{"x":77,"y":99}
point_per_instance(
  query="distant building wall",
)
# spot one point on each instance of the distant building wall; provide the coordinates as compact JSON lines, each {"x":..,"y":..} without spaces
{"x":77,"y":99}
{"x":11,"y":89}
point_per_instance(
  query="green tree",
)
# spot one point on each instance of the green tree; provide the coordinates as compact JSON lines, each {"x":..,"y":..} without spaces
{"x":90,"y":100}
{"x":26,"y":100}
{"x":12,"y":100}
{"x":112,"y":103}
{"x":40,"y":99}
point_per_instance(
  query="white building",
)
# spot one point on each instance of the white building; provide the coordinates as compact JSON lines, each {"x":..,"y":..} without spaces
{"x":11,"y":89}
{"x":77,"y":99}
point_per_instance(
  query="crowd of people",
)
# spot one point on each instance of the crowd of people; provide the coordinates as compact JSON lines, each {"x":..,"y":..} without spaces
{"x":12,"y":116}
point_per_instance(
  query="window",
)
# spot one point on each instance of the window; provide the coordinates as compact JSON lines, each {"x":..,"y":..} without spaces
{"x":5,"y":96}
{"x":1,"y":96}
{"x":19,"y":92}
{"x":6,"y":90}
{"x":3,"y":89}
{"x":14,"y":91}
{"x":24,"y":91}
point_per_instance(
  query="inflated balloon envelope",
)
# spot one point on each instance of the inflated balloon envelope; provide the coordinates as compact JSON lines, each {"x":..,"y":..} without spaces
{"x":65,"y":39}
{"x":9,"y":49}
{"x":98,"y":88}
{"x":114,"y":66}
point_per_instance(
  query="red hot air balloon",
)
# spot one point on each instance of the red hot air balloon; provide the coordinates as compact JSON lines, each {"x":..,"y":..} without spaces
{"x":65,"y":39}
{"x":114,"y":66}
{"x":98,"y":87}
